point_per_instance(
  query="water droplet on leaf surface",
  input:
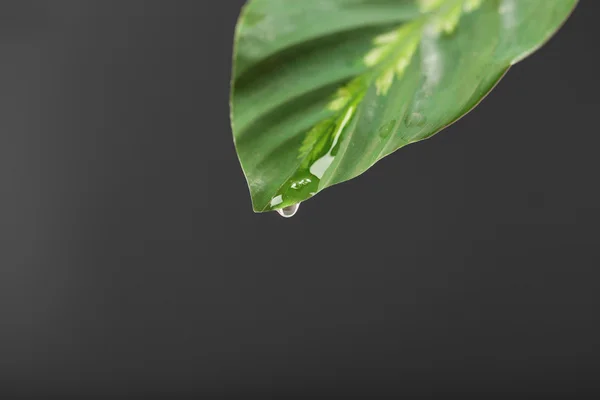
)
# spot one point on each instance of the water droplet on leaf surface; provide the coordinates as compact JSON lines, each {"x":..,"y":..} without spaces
{"x":386,"y":129}
{"x":415,"y":120}
{"x":290,"y":211}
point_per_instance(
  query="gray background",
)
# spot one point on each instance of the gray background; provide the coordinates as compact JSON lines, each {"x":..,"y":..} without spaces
{"x":131,"y":264}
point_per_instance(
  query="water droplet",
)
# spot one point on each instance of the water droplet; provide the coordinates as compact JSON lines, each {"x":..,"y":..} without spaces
{"x":319,"y":167}
{"x":386,"y":129}
{"x":301,"y":183}
{"x":277,"y":200}
{"x":415,"y":120}
{"x":290,"y":211}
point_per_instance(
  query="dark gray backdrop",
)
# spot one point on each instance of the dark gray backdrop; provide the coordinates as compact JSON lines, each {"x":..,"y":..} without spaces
{"x":131,"y":263}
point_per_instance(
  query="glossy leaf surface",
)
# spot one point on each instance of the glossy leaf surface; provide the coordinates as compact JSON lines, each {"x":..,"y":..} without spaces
{"x":323,"y":89}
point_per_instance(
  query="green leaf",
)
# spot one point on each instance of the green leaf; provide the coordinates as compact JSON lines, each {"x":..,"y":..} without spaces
{"x":323,"y":89}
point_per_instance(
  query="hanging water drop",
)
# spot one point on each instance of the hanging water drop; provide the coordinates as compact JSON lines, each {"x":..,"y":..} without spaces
{"x":290,"y":211}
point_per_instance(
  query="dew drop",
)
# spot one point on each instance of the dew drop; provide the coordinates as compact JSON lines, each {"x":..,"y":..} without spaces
{"x":290,"y":211}
{"x":415,"y":120}
{"x":386,"y":129}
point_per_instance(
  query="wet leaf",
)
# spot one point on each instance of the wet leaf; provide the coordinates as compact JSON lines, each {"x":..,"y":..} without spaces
{"x":323,"y":89}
